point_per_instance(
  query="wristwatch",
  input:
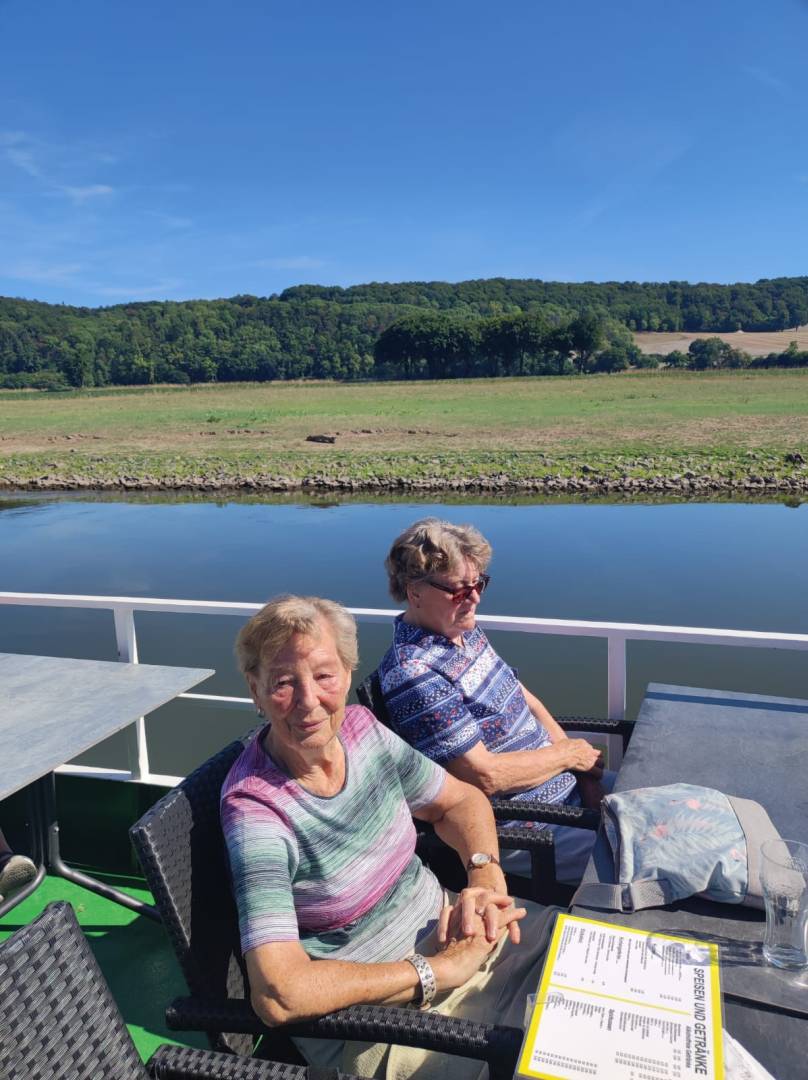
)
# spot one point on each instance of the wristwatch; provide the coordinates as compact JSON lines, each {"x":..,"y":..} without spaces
{"x":480,"y":859}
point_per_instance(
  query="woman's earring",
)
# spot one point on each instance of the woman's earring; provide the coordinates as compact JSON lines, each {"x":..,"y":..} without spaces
{"x":259,"y":712}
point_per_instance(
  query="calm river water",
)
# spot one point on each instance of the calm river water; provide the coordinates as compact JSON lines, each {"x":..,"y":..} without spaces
{"x":741,"y":566}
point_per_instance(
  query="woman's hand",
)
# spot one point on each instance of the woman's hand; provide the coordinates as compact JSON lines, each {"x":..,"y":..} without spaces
{"x":581,"y":757}
{"x":481,"y":911}
{"x":460,"y":959}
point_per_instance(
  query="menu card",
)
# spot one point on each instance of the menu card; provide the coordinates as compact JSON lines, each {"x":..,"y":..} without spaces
{"x":617,"y":1003}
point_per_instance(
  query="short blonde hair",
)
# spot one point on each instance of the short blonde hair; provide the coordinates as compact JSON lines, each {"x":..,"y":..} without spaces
{"x":260,"y":640}
{"x":432,"y":546}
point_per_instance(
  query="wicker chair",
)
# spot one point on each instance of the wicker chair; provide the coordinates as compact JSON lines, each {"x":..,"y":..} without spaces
{"x":542,"y":886}
{"x":181,"y":849}
{"x":59,"y":1021}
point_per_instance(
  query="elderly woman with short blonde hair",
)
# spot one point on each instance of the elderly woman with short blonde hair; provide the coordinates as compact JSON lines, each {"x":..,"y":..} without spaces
{"x":335,"y":908}
{"x":452,"y":697}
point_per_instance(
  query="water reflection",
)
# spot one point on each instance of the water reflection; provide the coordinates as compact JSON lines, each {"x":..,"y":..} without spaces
{"x":712,"y":564}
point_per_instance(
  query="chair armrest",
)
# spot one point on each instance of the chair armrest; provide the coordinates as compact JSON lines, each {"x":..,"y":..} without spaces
{"x":579,"y":817}
{"x":624,"y":728}
{"x":497,"y":1045}
{"x":187,"y":1063}
{"x":525,"y":838}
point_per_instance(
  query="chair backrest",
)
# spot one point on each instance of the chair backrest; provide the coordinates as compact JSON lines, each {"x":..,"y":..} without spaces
{"x":180,"y":846}
{"x":58,"y":1018}
{"x":369,"y":693}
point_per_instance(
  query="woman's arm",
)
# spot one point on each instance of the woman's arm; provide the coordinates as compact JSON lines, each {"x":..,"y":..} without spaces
{"x":287,"y":985}
{"x":519,"y":770}
{"x":543,"y":716}
{"x":462,"y":817}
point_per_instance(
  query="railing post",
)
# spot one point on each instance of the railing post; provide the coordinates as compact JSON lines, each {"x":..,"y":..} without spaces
{"x":126,"y":640}
{"x":616,"y":685}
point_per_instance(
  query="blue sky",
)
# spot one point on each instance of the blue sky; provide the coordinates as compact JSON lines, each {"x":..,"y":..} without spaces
{"x":194,"y":149}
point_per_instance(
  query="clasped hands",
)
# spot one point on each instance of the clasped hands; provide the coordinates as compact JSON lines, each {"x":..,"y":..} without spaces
{"x":480,"y":912}
{"x":468,"y":932}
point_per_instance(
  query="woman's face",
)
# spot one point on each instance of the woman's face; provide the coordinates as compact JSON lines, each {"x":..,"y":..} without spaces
{"x":303,"y":692}
{"x":436,"y":610}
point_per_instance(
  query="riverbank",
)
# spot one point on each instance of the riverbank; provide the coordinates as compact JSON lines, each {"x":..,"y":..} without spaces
{"x":690,"y":433}
{"x":686,"y":473}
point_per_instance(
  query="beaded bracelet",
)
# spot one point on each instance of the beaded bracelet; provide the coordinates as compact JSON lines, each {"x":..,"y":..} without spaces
{"x":427,"y":978}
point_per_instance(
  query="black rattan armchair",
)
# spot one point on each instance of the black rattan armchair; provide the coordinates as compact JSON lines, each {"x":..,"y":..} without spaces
{"x":543,"y":885}
{"x":181,"y":848}
{"x":59,"y":1021}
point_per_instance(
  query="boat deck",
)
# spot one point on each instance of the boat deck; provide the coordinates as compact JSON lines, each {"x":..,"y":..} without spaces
{"x":132,"y":951}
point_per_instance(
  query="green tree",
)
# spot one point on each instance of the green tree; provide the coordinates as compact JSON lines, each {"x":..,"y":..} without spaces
{"x":586,"y":336}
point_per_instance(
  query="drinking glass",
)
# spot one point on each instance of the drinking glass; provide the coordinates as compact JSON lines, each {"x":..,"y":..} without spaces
{"x":784,"y":874}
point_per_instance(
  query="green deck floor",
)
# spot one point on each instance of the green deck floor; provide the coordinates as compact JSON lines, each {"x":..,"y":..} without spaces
{"x":133,"y":953}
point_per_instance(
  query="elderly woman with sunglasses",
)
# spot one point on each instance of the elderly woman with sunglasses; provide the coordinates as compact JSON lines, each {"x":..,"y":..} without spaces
{"x":451,"y":696}
{"x":335,"y":908}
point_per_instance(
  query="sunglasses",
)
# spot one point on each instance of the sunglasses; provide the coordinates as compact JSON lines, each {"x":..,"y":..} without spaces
{"x":465,"y":591}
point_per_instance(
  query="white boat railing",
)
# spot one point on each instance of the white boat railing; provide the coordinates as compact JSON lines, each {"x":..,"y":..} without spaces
{"x":123,"y":609}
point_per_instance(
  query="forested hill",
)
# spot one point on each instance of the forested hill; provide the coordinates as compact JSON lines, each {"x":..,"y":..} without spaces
{"x":769,"y":304}
{"x":495,"y":326}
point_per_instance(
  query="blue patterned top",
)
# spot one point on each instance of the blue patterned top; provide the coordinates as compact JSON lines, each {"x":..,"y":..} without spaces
{"x":444,"y":699}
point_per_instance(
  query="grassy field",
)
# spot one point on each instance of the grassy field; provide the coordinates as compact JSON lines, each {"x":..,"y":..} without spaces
{"x":509,"y":424}
{"x":756,"y":344}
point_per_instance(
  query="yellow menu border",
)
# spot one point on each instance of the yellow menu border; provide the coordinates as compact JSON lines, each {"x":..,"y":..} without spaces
{"x":523,"y":1067}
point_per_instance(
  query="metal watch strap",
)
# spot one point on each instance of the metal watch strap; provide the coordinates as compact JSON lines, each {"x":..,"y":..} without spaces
{"x":427,"y":979}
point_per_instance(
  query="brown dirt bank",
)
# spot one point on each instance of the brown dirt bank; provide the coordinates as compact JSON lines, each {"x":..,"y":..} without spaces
{"x":591,"y":482}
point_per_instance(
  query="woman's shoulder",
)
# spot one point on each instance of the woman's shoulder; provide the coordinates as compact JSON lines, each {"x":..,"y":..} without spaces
{"x":253,"y":775}
{"x":365,"y":736}
{"x":414,"y":652}
{"x":359,"y":724}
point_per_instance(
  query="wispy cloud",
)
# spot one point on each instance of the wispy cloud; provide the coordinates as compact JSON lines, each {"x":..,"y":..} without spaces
{"x":20,"y":152}
{"x":141,"y":292}
{"x":289,"y":262}
{"x":89,"y":191}
{"x":71,"y":229}
{"x":24,"y":160}
{"x":24,"y":153}
{"x":592,"y":147}
{"x":42,"y":272}
{"x":11,"y":138}
{"x":170,"y":221}
{"x":617,"y":191}
{"x":767,"y":79}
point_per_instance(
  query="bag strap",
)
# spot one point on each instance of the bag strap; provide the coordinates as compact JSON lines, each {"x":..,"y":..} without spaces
{"x":757,"y":826}
{"x":632,"y":897}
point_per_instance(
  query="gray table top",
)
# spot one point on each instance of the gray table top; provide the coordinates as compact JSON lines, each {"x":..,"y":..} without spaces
{"x":52,"y":709}
{"x":748,"y":745}
{"x":751,"y":746}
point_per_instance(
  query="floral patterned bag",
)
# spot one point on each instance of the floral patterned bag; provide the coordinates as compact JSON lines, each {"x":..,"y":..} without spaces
{"x":677,"y":841}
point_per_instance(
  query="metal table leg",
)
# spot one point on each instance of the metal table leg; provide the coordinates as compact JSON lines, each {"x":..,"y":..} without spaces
{"x":57,"y":866}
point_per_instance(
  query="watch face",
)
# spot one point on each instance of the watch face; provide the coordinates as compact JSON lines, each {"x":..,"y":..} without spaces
{"x":480,"y":859}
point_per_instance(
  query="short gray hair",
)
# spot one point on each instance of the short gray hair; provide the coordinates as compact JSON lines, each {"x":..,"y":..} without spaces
{"x":432,"y":546}
{"x":261,"y":639}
